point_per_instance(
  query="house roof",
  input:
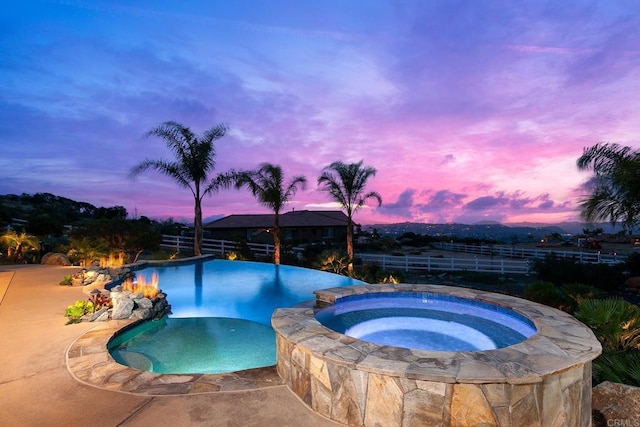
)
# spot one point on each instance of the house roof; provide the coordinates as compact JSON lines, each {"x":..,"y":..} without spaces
{"x":290,"y":219}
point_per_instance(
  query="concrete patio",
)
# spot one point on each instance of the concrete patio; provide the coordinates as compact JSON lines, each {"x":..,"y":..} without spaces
{"x":36,"y":389}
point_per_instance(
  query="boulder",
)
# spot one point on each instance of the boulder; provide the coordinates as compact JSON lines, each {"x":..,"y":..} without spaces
{"x":95,"y":316}
{"x":143,"y":302}
{"x":52,"y":258}
{"x":633,"y":283}
{"x":122,"y":307}
{"x":615,"y":404}
{"x":142,"y":313}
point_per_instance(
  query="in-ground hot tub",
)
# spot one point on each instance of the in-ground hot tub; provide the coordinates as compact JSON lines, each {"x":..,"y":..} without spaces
{"x":426,"y":321}
{"x":543,"y":379}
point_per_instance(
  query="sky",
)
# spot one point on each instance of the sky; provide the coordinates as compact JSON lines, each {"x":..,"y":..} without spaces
{"x":469,"y":111}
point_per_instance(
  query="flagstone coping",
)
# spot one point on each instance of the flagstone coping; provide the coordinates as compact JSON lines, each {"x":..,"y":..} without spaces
{"x":89,"y":362}
{"x":544,"y":380}
{"x":560,"y":343}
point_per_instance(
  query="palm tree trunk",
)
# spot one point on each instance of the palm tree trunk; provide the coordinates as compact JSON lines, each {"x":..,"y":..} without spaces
{"x":197,"y":228}
{"x":350,"y":246}
{"x":276,"y":240}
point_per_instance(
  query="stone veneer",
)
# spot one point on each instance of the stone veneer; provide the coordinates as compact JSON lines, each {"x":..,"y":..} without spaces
{"x":543,"y":381}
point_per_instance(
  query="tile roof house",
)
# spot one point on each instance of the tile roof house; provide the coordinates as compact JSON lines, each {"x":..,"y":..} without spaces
{"x":296,"y":227}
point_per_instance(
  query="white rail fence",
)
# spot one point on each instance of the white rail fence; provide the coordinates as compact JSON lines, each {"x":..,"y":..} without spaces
{"x":515,"y":252}
{"x":429,"y":263}
{"x":211,"y":246}
{"x":503,"y":263}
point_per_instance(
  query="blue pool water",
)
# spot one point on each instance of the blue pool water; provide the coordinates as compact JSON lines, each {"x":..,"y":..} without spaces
{"x":427,"y":321}
{"x":221,"y":316}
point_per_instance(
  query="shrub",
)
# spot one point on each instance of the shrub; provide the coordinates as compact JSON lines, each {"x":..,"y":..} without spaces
{"x":569,"y":270}
{"x":548,"y":294}
{"x":75,"y":311}
{"x":334,"y":261}
{"x":580,"y":292}
{"x":632,"y":265}
{"x":622,"y":366}
{"x":67,"y":281}
{"x":373,"y":273}
{"x":614,"y":321}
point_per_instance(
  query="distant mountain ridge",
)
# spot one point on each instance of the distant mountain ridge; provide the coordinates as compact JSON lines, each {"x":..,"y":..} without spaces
{"x":520,"y":232}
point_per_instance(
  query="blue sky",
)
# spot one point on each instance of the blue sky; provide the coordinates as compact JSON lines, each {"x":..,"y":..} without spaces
{"x":469,"y":110}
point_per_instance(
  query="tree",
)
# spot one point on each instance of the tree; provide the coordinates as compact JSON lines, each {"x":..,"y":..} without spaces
{"x":346,"y":184}
{"x":19,"y":246}
{"x":267,"y":185}
{"x":192,"y":167}
{"x":615,"y":185}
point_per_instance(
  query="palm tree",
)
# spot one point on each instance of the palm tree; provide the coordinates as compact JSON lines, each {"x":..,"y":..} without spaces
{"x":192,"y":167}
{"x":346,"y":184}
{"x":615,"y":186}
{"x":19,"y":245}
{"x":266,"y":184}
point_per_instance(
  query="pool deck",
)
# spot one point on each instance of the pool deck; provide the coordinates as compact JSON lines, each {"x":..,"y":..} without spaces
{"x":37,"y":388}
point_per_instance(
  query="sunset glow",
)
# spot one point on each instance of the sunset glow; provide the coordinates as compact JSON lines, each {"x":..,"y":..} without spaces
{"x":470,"y":111}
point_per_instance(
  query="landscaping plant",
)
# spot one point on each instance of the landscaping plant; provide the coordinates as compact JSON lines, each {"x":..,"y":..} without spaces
{"x":616,"y":324}
{"x":75,"y":311}
{"x":67,"y":281}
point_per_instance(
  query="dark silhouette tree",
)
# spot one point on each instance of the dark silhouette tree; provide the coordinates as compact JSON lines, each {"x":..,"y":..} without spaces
{"x":614,"y":186}
{"x":267,"y":185}
{"x":192,"y":166}
{"x":346,"y":184}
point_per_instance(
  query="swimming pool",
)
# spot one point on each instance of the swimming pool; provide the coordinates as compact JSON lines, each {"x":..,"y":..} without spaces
{"x":221,"y":315}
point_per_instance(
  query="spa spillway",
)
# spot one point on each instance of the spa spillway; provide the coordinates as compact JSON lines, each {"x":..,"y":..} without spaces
{"x":422,"y":355}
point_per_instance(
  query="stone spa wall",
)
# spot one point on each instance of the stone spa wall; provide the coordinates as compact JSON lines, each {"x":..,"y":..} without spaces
{"x":543,"y":381}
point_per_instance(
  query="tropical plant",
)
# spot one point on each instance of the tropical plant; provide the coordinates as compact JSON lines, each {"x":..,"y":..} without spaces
{"x":614,"y":321}
{"x":267,"y":185}
{"x":346,"y":184}
{"x":622,"y":366}
{"x":614,"y":186}
{"x":19,"y":246}
{"x":374,"y":273}
{"x":192,"y":167}
{"x":86,"y":251}
{"x":616,"y":324}
{"x":334,"y":261}
{"x":580,"y":292}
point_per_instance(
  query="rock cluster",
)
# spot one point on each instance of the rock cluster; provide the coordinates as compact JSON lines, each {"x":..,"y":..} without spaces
{"x":127,"y":305}
{"x":97,"y":281}
{"x":99,"y":278}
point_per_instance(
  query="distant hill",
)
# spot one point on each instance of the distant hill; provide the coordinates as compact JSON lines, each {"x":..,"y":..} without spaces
{"x":507,"y":233}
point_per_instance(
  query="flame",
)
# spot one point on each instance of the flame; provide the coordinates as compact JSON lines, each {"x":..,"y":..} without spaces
{"x":148,"y":290}
{"x":112,"y":261}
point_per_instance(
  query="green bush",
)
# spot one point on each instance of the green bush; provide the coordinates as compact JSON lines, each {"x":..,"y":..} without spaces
{"x":549,"y":294}
{"x":614,"y":321}
{"x":570,"y":270}
{"x":334,"y":261}
{"x":67,"y":281}
{"x":622,"y":366}
{"x":632,"y":265}
{"x":373,"y":273}
{"x":75,"y":311}
{"x":580,"y":292}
